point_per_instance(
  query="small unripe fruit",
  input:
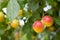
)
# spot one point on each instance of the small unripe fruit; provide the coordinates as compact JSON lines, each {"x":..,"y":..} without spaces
{"x":1,"y":16}
{"x":14,"y":23}
{"x":38,"y":26}
{"x":47,"y":20}
{"x":20,"y":13}
{"x":51,"y":28}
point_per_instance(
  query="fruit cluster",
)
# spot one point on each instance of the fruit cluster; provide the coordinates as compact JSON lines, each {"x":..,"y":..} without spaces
{"x":39,"y":26}
{"x":15,"y":22}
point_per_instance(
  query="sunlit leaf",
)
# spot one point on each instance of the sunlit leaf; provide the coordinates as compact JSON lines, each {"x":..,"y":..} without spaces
{"x":12,"y":9}
{"x":24,"y":37}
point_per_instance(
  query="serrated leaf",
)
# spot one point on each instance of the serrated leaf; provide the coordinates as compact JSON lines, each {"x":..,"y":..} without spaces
{"x":12,"y":9}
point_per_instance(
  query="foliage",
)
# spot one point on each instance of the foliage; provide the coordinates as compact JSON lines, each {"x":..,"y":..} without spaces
{"x":33,"y":10}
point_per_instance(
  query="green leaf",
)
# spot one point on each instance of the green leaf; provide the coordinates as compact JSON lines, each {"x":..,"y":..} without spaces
{"x":27,"y":14}
{"x":58,"y":0}
{"x":27,"y":27}
{"x":36,"y":16}
{"x":2,"y":31}
{"x":12,"y":9}
{"x":59,"y":13}
{"x":45,"y":35}
{"x":0,"y":38}
{"x":29,"y":36}
{"x":24,"y":37}
{"x":57,"y":21}
{"x":22,"y":3}
{"x":33,"y":6}
{"x":50,"y":2}
{"x":3,"y":3}
{"x":50,"y":12}
{"x":57,"y":36}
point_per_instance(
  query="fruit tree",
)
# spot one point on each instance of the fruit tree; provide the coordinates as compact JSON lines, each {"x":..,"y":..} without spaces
{"x":29,"y":19}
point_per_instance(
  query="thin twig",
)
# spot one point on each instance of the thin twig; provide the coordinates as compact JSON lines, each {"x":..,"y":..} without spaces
{"x":57,"y":30}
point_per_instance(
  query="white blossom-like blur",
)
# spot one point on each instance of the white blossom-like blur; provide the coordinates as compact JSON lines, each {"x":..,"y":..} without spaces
{"x":4,"y":10}
{"x":47,"y":7}
{"x":21,"y":22}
